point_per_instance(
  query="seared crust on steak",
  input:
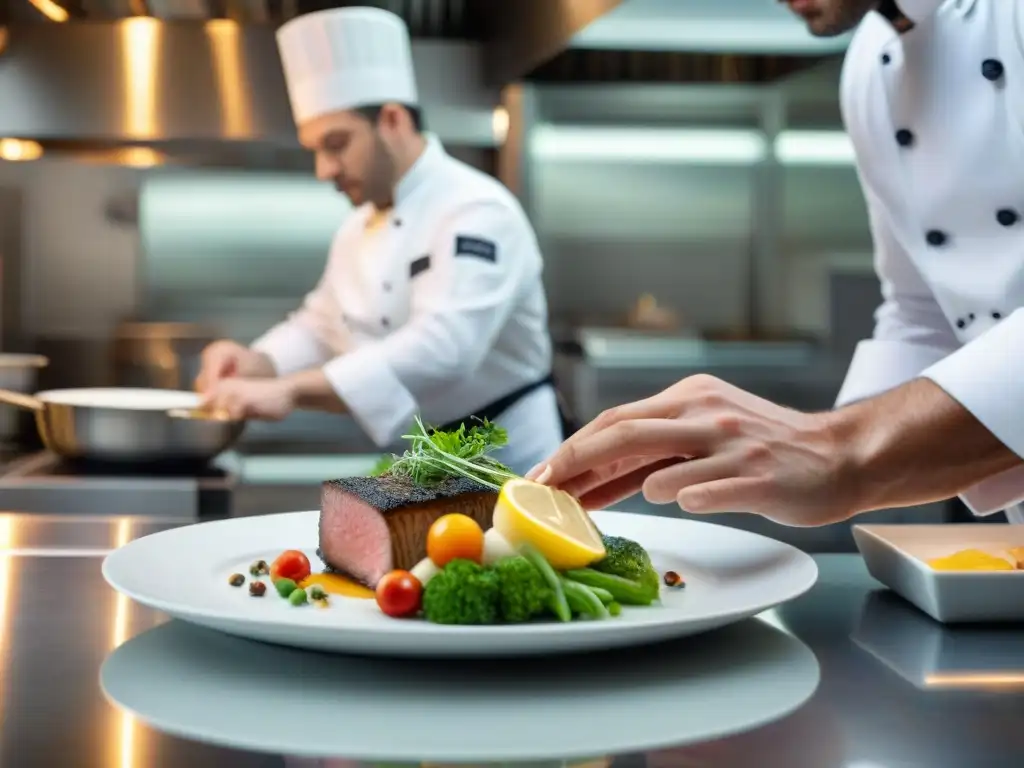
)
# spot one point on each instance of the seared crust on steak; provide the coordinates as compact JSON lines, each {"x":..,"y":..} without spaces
{"x":388,"y":493}
{"x":369,"y":525}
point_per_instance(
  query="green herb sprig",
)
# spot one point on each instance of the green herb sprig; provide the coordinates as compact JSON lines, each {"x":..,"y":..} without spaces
{"x":435,"y":456}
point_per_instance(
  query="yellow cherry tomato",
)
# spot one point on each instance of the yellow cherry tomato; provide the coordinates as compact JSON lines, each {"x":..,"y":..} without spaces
{"x":455,"y":537}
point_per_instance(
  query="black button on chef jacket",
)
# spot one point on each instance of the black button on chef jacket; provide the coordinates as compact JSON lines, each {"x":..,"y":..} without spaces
{"x":992,"y":69}
{"x":1007,"y":217}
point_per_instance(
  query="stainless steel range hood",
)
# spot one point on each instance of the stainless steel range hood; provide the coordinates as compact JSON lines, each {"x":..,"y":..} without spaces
{"x":143,"y":80}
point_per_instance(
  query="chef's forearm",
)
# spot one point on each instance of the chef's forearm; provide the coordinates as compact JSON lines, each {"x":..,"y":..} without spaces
{"x":312,"y":391}
{"x":913,"y":445}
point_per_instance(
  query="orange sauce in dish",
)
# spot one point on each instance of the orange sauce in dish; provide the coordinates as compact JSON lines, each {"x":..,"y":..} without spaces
{"x":334,"y":584}
{"x":971,"y":560}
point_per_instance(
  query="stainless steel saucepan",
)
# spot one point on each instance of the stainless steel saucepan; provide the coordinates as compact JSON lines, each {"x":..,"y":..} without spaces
{"x":127,"y":425}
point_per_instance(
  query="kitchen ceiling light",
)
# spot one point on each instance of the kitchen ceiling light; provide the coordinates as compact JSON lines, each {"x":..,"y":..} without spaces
{"x":654,"y":145}
{"x":15,"y":150}
{"x":500,"y":123}
{"x":689,"y":146}
{"x":814,"y":148}
{"x":51,"y":10}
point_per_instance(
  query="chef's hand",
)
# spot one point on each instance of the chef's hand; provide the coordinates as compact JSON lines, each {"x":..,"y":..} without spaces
{"x":223,"y":359}
{"x":265,"y":399}
{"x":710,"y":447}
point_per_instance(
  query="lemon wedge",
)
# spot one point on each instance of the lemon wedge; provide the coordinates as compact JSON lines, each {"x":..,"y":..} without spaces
{"x":551,"y":520}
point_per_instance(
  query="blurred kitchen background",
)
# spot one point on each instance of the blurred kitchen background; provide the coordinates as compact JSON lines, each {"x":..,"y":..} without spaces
{"x":683,"y":161}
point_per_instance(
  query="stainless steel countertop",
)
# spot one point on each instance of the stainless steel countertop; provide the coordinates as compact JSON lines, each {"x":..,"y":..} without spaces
{"x":896,"y":690}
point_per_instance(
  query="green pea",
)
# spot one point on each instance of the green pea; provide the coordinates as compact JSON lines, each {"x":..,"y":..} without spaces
{"x":285,"y":587}
{"x":297,"y":597}
{"x":614,"y":608}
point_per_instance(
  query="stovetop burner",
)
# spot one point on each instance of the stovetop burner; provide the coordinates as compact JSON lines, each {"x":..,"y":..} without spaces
{"x":94,"y":468}
{"x":44,"y":483}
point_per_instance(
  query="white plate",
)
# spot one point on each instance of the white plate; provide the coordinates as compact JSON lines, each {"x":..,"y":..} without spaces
{"x":897,"y":556}
{"x":730,"y":575}
{"x":207,"y":687}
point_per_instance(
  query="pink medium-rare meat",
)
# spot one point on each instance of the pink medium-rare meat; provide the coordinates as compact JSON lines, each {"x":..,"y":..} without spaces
{"x":372,"y":525}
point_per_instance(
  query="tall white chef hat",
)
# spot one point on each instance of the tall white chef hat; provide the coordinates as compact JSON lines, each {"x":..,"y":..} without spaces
{"x":344,"y":58}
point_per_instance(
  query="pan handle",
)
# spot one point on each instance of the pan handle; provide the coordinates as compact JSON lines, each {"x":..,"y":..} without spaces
{"x":20,"y":400}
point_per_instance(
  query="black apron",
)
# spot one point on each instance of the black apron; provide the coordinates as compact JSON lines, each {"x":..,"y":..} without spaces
{"x":493,"y":411}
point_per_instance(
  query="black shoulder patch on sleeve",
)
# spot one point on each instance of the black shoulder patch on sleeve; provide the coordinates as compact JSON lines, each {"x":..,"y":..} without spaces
{"x":476,"y":247}
{"x":422,"y":264}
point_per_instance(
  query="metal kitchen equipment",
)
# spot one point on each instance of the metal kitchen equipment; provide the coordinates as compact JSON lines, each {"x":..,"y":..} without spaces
{"x":131,"y":426}
{"x":42,"y":483}
{"x":162,"y":355}
{"x":17,"y":374}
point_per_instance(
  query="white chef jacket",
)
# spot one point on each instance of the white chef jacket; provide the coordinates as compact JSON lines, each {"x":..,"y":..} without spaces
{"x":936,"y":116}
{"x":435,"y":307}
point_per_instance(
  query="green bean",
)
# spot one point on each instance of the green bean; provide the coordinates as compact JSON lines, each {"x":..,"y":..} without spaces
{"x":589,"y":602}
{"x":559,"y":605}
{"x":623,"y":590}
{"x":603,"y":595}
{"x":577,"y":605}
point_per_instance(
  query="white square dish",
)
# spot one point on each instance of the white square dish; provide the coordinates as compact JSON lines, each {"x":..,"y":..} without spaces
{"x":897,"y":556}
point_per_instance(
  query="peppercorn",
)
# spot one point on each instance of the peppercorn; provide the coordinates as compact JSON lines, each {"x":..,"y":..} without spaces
{"x":236,"y":579}
{"x":673,"y":579}
{"x":257,"y":588}
{"x":259,"y":568}
{"x":297,"y":597}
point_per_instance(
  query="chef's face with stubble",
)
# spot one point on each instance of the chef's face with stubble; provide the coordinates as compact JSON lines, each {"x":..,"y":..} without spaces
{"x":356,"y":152}
{"x":827,"y":18}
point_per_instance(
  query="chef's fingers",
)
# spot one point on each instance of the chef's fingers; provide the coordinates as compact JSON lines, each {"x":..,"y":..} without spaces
{"x":665,"y":438}
{"x":663,"y":487}
{"x":236,"y":406}
{"x":649,"y":408}
{"x":731,"y":494}
{"x":587,"y":481}
{"x":220,"y":397}
{"x":621,"y":487}
{"x":216,"y":366}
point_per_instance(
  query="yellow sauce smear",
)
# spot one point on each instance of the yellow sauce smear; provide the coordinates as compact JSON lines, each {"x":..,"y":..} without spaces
{"x":971,"y":560}
{"x":334,"y":584}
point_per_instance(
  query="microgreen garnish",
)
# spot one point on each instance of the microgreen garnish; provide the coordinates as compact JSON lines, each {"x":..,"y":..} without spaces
{"x":436,"y":456}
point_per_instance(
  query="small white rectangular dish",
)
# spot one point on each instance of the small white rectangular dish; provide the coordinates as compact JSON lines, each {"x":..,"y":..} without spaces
{"x":898,"y":555}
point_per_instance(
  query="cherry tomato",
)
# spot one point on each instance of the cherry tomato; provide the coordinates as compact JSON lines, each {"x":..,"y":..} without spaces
{"x":454,"y":537}
{"x":399,"y":594}
{"x":290,"y":564}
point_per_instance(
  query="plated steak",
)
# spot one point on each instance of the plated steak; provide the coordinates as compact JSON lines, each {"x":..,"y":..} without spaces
{"x":372,"y":525}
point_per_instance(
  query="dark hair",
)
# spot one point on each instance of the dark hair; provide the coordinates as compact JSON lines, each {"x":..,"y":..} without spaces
{"x":372,"y":113}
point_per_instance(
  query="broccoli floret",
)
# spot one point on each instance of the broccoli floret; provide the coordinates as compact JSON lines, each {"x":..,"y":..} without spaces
{"x":627,"y":559}
{"x":462,"y":593}
{"x":524,"y":592}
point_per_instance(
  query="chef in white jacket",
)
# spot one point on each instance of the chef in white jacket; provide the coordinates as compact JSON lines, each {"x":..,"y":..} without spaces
{"x":431,"y":302}
{"x":933,"y":404}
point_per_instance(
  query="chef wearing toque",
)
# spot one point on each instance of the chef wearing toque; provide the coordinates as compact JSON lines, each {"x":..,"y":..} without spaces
{"x":431,"y":301}
{"x":933,"y":404}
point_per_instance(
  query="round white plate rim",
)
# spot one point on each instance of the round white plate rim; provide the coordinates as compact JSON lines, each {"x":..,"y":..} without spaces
{"x":609,"y":630}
